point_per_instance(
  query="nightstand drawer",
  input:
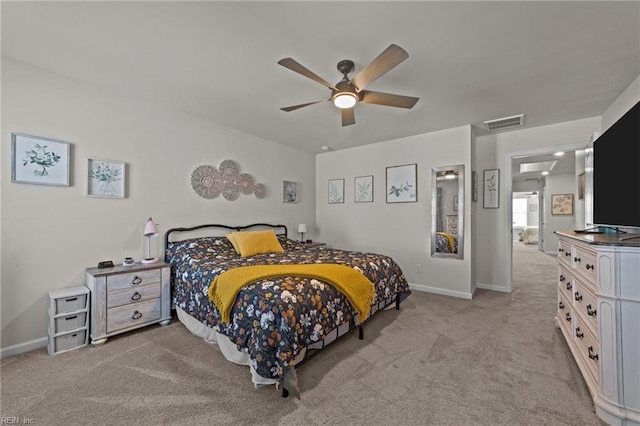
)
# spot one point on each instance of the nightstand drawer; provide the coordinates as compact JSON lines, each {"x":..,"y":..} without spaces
{"x":134,"y":295}
{"x":70,"y":322}
{"x":133,"y":279}
{"x":133,"y":315}
{"x":70,"y":341}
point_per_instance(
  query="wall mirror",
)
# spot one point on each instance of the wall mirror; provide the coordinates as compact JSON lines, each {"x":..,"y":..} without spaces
{"x":447,"y":212}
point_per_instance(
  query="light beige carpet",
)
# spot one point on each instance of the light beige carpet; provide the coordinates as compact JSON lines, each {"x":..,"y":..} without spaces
{"x":495,"y":360}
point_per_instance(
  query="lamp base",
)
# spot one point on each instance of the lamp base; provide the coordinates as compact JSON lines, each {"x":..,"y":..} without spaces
{"x":151,"y":260}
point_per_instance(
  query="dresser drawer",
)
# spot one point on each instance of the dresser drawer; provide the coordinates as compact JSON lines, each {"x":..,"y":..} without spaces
{"x":587,"y":346}
{"x":565,"y":283}
{"x":585,"y":304}
{"x":133,"y":315}
{"x":564,"y":314}
{"x":133,"y":295}
{"x":564,"y":253}
{"x":133,"y":279}
{"x":584,"y":262}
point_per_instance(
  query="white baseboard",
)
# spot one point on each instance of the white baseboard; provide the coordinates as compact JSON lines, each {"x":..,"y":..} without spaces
{"x":444,"y":292}
{"x":493,"y":288}
{"x":23,"y":347}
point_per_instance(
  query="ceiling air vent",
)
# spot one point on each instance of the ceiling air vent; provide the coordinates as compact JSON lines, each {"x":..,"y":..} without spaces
{"x":504,"y":123}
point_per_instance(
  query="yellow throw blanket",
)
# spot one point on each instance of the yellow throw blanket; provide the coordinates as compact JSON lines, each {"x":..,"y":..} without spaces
{"x":450,"y":240}
{"x":358,"y":289}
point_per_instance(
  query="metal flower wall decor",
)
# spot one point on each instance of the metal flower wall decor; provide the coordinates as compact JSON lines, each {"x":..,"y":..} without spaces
{"x":209,"y":182}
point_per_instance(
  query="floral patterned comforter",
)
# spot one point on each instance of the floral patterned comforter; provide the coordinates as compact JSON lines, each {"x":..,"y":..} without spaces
{"x":274,"y":319}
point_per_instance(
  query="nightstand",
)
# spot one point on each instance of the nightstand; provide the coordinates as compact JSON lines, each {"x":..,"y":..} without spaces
{"x":124,"y":298}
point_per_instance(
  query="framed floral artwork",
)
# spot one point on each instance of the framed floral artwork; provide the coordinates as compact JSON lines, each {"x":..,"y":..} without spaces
{"x":562,"y":204}
{"x":491,"y":188}
{"x":402,"y":185}
{"x":336,"y":191}
{"x":363,"y":189}
{"x":289,"y":192}
{"x":39,"y":161}
{"x":106,"y":178}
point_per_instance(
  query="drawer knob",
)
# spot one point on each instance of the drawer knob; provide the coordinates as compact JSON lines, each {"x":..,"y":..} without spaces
{"x":568,"y":286}
{"x":561,"y":305}
{"x":567,"y":254}
{"x":567,"y":316}
{"x":590,"y":267}
{"x":578,"y":334}
{"x":591,"y":312}
{"x":562,"y":278}
{"x":591,"y":354}
{"x":577,"y":259}
{"x":136,"y":280}
{"x":136,"y":315}
{"x":577,"y":296}
{"x":136,"y":296}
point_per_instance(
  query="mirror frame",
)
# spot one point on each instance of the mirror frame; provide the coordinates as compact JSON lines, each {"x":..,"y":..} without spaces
{"x":434,"y":208}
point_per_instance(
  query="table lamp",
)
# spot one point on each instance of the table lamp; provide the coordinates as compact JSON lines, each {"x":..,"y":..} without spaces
{"x":150,"y":230}
{"x":302,"y":228}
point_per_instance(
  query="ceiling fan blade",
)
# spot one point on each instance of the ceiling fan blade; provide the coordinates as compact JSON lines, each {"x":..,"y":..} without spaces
{"x":295,"y":66}
{"x":348,"y":117}
{"x":294,"y":107}
{"x":388,"y":59}
{"x":388,"y":99}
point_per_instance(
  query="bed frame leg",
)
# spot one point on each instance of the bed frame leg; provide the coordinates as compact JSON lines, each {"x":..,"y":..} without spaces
{"x":360,"y":332}
{"x":285,"y":393}
{"x":397,"y":303}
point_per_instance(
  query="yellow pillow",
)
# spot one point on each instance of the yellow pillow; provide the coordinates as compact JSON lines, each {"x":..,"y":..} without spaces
{"x":251,"y":243}
{"x":233,"y":241}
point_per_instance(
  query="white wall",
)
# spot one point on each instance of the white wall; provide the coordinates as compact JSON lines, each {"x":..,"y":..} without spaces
{"x":51,"y":234}
{"x":400,"y":230}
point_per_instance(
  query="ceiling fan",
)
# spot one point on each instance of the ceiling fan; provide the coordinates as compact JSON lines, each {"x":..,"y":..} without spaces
{"x":347,"y":93}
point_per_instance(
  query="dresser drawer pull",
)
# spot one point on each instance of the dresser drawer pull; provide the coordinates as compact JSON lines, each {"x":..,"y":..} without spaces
{"x":577,"y":259}
{"x":71,"y":318}
{"x":567,"y":254}
{"x":71,"y":299}
{"x":568,"y":316}
{"x":136,"y":315}
{"x":568,"y":286}
{"x":591,"y":312}
{"x":591,"y":354}
{"x":560,"y":305}
{"x":577,"y":296}
{"x":562,"y":278}
{"x":578,"y":334}
{"x":590,"y":267}
{"x":136,"y":280}
{"x":136,"y":296}
{"x":561,"y":250}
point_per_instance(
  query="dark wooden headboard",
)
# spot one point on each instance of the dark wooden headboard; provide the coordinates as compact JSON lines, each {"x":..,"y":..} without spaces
{"x":167,"y":236}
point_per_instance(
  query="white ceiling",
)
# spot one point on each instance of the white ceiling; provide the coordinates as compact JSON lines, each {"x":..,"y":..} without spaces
{"x":469,"y":61}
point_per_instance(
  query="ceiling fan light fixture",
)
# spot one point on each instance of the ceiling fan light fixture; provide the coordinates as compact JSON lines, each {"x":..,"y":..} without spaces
{"x":344,"y":100}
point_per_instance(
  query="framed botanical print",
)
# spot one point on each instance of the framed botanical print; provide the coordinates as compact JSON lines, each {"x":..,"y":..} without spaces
{"x":363,"y":189}
{"x":491,"y":189}
{"x":106,"y":178}
{"x":289,"y":192}
{"x":39,"y":161}
{"x":336,"y":191}
{"x":402,"y":184}
{"x":562,"y":204}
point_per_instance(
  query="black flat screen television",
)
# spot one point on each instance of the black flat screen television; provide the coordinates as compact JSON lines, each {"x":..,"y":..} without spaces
{"x":616,"y":173}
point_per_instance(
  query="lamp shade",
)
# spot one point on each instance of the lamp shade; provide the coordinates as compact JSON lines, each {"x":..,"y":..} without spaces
{"x":150,"y":229}
{"x":302,"y":228}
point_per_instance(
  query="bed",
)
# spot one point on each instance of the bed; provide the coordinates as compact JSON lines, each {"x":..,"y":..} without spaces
{"x":446,"y":243}
{"x":275,"y":323}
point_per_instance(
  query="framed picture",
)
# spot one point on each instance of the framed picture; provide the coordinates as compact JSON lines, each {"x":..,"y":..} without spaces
{"x":533,"y":207}
{"x":402,"y":184}
{"x":106,"y":178}
{"x":289,"y":192}
{"x":336,"y":191}
{"x":455,"y":203}
{"x":474,"y":186}
{"x":363,"y":189}
{"x":39,"y":161}
{"x":581,"y":183}
{"x":562,"y":204}
{"x":491,"y":188}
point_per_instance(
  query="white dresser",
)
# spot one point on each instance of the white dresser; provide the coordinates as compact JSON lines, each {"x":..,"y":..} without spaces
{"x":599,"y":315}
